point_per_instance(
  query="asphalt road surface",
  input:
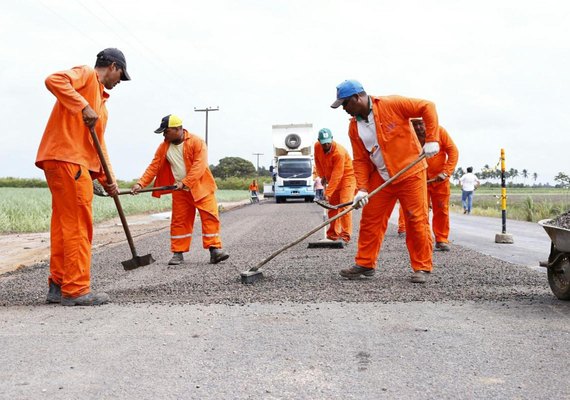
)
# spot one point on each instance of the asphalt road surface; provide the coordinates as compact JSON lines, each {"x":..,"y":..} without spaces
{"x":481,"y":327}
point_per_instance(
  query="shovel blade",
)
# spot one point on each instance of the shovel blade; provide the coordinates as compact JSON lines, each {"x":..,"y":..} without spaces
{"x":138,"y":261}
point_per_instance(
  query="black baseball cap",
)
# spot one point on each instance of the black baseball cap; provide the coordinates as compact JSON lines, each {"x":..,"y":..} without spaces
{"x":116,"y":56}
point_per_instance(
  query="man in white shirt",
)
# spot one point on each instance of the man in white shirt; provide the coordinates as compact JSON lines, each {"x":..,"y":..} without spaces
{"x":469,"y":183}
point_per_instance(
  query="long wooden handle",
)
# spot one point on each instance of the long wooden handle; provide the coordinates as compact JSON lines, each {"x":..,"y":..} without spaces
{"x":344,"y":212}
{"x":115,"y":197}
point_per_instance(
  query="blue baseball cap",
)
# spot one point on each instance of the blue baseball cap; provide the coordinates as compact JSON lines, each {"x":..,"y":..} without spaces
{"x":346,"y":89}
{"x":325,"y":136}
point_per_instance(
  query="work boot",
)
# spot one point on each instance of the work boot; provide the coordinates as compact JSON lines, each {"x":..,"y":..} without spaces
{"x":356,"y":271}
{"x":176,"y":259}
{"x":419,"y":276}
{"x":54,"y":293}
{"x":442,"y":246}
{"x":89,"y":299}
{"x":217,"y":255}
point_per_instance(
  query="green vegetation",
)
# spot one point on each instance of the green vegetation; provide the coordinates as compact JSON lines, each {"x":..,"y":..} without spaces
{"x":523,"y":204}
{"x":29,"y":209}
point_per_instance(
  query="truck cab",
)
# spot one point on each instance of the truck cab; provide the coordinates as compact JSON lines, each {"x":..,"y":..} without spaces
{"x":293,"y":162}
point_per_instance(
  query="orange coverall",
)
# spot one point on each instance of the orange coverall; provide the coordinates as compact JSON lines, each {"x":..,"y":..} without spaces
{"x":400,"y":147}
{"x":438,"y":192}
{"x":201,"y":196}
{"x":336,"y":167}
{"x":70,"y":161}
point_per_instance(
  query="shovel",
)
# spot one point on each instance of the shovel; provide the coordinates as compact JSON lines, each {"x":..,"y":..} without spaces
{"x":98,"y":190}
{"x":255,"y":273}
{"x":136,"y":261}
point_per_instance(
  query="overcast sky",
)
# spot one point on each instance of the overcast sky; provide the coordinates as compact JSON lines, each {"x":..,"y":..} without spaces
{"x":498,"y":72}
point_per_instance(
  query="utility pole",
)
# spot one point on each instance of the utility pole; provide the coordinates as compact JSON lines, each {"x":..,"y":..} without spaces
{"x":206,"y":110}
{"x":258,"y":154}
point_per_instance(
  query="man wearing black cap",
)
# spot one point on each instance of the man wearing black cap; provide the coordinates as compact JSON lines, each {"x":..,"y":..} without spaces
{"x":182,"y":160}
{"x":70,"y":162}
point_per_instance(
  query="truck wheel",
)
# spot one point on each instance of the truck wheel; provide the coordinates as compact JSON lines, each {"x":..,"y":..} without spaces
{"x":559,"y":279}
{"x":279,"y":199}
{"x":309,"y":199}
{"x":292,"y":140}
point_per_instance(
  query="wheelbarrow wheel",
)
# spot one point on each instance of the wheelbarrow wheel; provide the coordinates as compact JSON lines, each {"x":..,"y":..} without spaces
{"x":559,"y":279}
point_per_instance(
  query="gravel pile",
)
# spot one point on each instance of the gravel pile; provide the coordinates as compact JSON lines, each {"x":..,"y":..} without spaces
{"x":298,"y":275}
{"x":562,"y":221}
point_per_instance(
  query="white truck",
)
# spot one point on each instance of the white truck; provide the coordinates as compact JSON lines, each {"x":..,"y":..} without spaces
{"x":293,"y":162}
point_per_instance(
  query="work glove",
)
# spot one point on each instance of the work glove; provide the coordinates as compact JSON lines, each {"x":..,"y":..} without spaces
{"x":431,"y":149}
{"x":441,"y":177}
{"x":361,"y":199}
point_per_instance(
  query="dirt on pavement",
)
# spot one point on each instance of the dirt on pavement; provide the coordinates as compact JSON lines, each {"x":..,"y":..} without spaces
{"x":20,"y":250}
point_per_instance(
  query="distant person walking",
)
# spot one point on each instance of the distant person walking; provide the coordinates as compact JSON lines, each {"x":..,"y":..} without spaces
{"x":182,"y":160}
{"x":70,"y":163}
{"x":335,"y":165}
{"x":253,"y":191}
{"x":469,"y":183}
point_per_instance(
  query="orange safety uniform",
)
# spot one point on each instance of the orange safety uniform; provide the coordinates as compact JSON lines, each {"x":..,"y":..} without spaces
{"x":253,"y":187}
{"x":438,"y":191}
{"x":400,"y":147}
{"x":336,"y":167}
{"x":70,"y":161}
{"x":200,"y":196}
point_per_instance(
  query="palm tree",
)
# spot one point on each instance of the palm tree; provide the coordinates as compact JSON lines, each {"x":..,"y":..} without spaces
{"x":534,"y":176}
{"x":524,"y":175}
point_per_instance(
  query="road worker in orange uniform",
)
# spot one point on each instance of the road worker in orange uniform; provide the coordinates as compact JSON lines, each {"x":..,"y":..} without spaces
{"x":70,"y":163}
{"x":440,"y":168}
{"x":335,"y":165}
{"x":254,"y":191}
{"x":383,"y":144}
{"x":182,"y":161}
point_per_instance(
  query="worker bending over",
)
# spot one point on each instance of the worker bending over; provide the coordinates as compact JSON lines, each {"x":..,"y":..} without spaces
{"x":335,"y":165}
{"x":182,"y":160}
{"x":383,"y":144}
{"x":70,"y":163}
{"x":440,"y":168}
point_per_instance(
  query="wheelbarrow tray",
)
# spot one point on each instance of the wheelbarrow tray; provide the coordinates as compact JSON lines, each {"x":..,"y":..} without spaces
{"x":560,"y":237}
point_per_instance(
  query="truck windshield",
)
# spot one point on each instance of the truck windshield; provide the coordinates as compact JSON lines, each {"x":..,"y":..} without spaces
{"x":294,"y":168}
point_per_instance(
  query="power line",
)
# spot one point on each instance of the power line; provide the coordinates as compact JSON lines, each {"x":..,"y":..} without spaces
{"x":207,"y":111}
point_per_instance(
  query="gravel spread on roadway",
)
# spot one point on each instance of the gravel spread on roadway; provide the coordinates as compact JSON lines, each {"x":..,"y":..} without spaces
{"x":299,"y":274}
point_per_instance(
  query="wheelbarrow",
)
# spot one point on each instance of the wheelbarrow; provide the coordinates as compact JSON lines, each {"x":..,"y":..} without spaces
{"x":558,"y":265}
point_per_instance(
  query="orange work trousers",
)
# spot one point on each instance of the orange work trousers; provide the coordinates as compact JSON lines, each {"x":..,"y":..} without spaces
{"x":438,"y":195}
{"x":412,"y":194}
{"x":342,"y":227}
{"x":183,"y":215}
{"x":71,"y":232}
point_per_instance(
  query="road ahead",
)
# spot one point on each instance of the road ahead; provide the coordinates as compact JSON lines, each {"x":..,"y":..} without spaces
{"x":480,"y":328}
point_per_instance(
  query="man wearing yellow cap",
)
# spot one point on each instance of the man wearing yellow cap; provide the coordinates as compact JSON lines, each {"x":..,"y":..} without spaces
{"x":333,"y":163}
{"x":182,"y":160}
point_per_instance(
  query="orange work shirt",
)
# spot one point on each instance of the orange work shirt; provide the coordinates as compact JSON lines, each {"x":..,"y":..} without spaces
{"x":446,"y":160}
{"x":335,"y":166}
{"x":397,"y":139}
{"x":66,"y":137}
{"x":253,"y":187}
{"x":198,"y":178}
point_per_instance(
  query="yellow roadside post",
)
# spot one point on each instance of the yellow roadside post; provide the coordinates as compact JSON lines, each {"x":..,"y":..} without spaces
{"x":503,"y":237}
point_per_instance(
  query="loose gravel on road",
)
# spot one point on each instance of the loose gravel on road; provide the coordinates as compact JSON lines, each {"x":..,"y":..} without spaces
{"x":299,"y":275}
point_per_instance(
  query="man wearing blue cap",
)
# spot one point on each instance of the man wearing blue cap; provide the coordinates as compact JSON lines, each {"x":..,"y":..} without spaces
{"x":335,"y":165}
{"x":384,"y":143}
